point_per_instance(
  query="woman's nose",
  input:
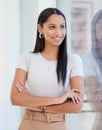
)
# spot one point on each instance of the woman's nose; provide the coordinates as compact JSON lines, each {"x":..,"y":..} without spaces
{"x":58,"y":31}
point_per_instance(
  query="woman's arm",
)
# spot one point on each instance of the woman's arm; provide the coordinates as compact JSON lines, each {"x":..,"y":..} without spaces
{"x":77,"y":82}
{"x":26,"y":99}
{"x":74,"y":102}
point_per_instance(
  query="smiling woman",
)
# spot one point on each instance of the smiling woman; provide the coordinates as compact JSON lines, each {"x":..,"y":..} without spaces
{"x":48,"y":94}
{"x":54,"y":30}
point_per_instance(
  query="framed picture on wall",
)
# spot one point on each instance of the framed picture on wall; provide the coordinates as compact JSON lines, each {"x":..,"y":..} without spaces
{"x":81,"y":16}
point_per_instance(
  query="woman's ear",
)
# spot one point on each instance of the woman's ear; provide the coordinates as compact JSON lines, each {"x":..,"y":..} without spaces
{"x":39,"y":28}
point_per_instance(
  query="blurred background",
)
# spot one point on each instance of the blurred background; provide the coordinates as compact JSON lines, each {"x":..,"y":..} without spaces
{"x":17,"y":34}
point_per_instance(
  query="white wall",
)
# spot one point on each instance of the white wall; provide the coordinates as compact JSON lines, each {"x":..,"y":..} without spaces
{"x":65,"y":7}
{"x":4,"y":62}
{"x":46,"y":3}
{"x":29,"y":14}
{"x":9,"y":51}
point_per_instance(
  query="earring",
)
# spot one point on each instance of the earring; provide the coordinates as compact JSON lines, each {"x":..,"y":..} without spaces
{"x":40,"y":35}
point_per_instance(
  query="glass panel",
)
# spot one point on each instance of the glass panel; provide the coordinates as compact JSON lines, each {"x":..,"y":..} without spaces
{"x":87,"y":42}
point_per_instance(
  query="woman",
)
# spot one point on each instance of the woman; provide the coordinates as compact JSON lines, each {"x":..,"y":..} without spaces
{"x":42,"y":78}
{"x":93,"y":71}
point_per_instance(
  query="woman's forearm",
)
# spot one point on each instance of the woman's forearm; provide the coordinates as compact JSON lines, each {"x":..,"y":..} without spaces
{"x":27,"y":100}
{"x":20,"y":95}
{"x":35,"y":103}
{"x":67,"y":107}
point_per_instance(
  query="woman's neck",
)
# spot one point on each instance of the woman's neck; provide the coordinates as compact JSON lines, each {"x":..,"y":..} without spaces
{"x":50,"y":54}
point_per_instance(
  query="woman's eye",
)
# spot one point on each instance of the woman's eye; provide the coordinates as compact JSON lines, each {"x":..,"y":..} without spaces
{"x":63,"y":26}
{"x":51,"y":27}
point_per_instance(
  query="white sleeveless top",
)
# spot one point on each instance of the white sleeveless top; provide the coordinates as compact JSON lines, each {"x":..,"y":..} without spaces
{"x":42,"y":78}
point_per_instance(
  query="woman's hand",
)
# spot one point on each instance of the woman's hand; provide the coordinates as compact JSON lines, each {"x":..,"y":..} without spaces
{"x":21,"y":88}
{"x":62,"y":98}
{"x":72,"y":94}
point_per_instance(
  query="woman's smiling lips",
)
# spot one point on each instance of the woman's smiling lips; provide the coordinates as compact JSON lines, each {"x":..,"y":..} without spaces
{"x":58,"y":39}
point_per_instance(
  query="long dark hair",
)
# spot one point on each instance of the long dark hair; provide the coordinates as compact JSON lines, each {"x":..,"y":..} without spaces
{"x":62,"y":53}
{"x":95,"y":45}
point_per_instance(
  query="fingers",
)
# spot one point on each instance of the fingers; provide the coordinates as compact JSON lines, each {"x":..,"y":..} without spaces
{"x":21,"y":88}
{"x":76,"y":90}
{"x":76,"y":99}
{"x":74,"y":96}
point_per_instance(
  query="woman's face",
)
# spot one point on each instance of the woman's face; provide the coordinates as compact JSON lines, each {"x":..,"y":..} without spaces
{"x":54,"y":30}
{"x":99,"y":31}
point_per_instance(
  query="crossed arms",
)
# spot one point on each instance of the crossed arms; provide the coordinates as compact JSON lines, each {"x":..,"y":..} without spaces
{"x":70,"y":101}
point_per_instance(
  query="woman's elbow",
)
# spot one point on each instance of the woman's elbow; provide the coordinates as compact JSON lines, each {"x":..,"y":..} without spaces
{"x":13,"y":99}
{"x":80,"y":104}
{"x":78,"y":107}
